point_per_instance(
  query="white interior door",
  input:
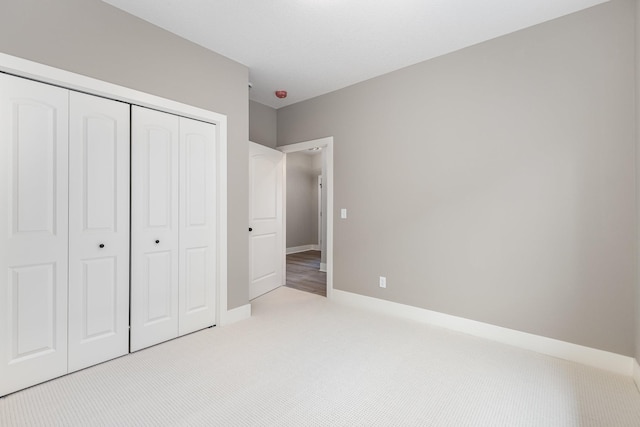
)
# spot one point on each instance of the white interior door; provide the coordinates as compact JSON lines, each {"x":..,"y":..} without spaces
{"x":33,"y":232}
{"x":154,"y":227}
{"x":98,"y":230}
{"x":197,"y":225}
{"x":266,"y":245}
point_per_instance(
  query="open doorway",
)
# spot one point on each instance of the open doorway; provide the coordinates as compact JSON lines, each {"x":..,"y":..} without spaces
{"x":305,"y":203}
{"x":309,"y":251}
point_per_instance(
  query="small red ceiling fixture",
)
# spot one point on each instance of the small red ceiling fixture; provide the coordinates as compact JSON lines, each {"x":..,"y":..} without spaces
{"x":281,"y":94}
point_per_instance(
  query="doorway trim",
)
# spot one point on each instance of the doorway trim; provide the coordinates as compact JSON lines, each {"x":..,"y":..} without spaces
{"x":327,"y":145}
{"x":321,"y":227}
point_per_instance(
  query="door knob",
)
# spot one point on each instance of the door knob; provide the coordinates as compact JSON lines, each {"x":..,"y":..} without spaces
{"x":250,"y":229}
{"x":157,"y":241}
{"x":101,"y":245}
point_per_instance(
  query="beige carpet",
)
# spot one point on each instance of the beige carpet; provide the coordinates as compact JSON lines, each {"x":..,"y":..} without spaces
{"x":302,"y":360}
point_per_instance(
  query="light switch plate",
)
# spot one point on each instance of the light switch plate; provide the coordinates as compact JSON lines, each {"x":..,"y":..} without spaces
{"x":383,"y":282}
{"x":343,"y":213}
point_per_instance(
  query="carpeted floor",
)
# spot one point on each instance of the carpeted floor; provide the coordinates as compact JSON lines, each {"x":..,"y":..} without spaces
{"x":303,"y":360}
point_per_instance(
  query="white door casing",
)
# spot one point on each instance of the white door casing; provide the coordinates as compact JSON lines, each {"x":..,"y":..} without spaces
{"x":266,"y":238}
{"x":154,"y":227}
{"x":320,"y":239}
{"x":98,"y":230}
{"x":197,"y":231}
{"x":33,"y":232}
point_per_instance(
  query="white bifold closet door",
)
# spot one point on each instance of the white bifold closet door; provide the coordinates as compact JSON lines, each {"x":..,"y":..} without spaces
{"x":197,"y":230}
{"x":64,"y":231}
{"x":173,"y":222}
{"x":33,"y":232}
{"x":98,"y":230}
{"x":154,"y":227}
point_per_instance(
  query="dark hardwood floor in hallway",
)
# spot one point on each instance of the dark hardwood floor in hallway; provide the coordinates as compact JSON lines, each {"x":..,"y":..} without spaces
{"x":303,"y":273}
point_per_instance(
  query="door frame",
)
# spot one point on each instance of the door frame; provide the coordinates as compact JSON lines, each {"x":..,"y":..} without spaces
{"x":320,"y":228}
{"x":327,"y":145}
{"x":43,"y":73}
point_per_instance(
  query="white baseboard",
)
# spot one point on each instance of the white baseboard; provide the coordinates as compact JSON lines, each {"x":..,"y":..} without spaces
{"x":237,"y":314}
{"x":304,"y":248}
{"x":323,"y":266}
{"x":564,"y":350}
{"x":636,"y":374}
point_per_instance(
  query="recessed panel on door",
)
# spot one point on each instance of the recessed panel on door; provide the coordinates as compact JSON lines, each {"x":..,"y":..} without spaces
{"x":100,"y":299}
{"x":265,"y":265}
{"x":197,"y":165}
{"x":154,"y":222}
{"x":100,"y":148}
{"x":34,"y":167}
{"x":161,"y":174}
{"x":158,"y":289}
{"x":196,"y":286}
{"x":32,"y":311}
{"x":33,"y":232}
{"x":197,"y":225}
{"x":264,"y":185}
{"x":98,"y":230}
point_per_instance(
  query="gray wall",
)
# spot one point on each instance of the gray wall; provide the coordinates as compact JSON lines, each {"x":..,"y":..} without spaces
{"x":95,"y":39}
{"x":263,"y":124}
{"x":637,"y":336}
{"x":302,"y":200}
{"x":496,"y":183}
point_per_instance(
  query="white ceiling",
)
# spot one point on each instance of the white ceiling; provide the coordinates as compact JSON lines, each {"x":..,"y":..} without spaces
{"x":312,"y":47}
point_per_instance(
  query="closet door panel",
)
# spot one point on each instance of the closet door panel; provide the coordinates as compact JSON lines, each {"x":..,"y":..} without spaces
{"x":197,"y":225}
{"x":33,"y":232}
{"x":99,"y":230}
{"x":154,"y":222}
{"x":158,"y":288}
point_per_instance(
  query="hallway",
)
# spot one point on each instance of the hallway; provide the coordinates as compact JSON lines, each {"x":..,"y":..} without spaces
{"x":303,"y":273}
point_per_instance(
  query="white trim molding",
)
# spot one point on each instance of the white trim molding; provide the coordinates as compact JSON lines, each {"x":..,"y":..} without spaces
{"x":303,"y":248}
{"x":237,"y":314}
{"x":323,"y":267}
{"x":601,"y":359}
{"x":636,"y":374}
{"x":24,"y":68}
